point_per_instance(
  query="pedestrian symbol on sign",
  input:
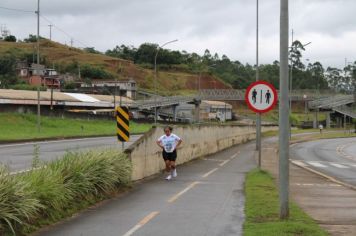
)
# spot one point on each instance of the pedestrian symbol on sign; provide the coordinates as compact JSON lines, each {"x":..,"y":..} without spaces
{"x":267,"y":96}
{"x":254,"y":96}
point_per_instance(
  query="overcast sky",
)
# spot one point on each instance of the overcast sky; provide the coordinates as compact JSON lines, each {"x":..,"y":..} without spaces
{"x":226,"y":27}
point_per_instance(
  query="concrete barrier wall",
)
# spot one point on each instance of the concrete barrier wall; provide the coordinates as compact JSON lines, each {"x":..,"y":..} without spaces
{"x":198,"y":141}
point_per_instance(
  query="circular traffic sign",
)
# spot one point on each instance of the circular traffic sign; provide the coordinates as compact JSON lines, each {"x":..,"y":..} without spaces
{"x":261,"y":96}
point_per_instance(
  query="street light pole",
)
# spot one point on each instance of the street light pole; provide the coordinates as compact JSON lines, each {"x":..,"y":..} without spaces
{"x":284,"y":113}
{"x":155,"y":75}
{"x":291,"y":81}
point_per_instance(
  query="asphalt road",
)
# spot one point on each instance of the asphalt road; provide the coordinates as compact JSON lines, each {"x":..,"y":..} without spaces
{"x":334,"y":157}
{"x":19,"y":156}
{"x":205,"y":199}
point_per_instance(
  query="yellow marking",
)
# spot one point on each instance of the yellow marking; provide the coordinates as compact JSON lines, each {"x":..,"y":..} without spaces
{"x":141,"y":223}
{"x":148,"y":218}
{"x":123,"y":135}
{"x":175,"y":197}
{"x":123,"y":113}
{"x":122,"y":123}
{"x":210,"y":172}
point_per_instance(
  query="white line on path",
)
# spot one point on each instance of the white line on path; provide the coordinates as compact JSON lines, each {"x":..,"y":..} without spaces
{"x":141,"y":223}
{"x":339,"y":166}
{"x":210,"y":172}
{"x":235,"y":155}
{"x":316,"y":164}
{"x":299,"y":163}
{"x":223,"y":163}
{"x":175,"y":197}
{"x":319,"y":185}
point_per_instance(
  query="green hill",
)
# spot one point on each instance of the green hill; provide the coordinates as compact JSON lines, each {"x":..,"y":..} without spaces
{"x":95,"y":65}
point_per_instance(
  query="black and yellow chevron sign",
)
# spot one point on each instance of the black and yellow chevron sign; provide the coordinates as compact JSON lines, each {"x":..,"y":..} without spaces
{"x":122,"y":123}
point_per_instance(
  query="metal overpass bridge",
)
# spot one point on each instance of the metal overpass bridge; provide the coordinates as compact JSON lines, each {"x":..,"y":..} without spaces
{"x":211,"y":94}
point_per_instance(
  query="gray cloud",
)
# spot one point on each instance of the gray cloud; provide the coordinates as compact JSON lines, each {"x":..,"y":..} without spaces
{"x":226,"y":27}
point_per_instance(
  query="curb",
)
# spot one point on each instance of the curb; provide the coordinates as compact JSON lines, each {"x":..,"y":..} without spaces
{"x":58,"y":138}
{"x":332,"y":179}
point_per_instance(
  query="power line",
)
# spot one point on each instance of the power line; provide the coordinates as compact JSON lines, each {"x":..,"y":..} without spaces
{"x":15,"y":9}
{"x":49,"y":21}
{"x":64,"y":32}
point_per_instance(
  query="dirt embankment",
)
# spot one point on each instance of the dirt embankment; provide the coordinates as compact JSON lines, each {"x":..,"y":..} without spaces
{"x":173,"y":81}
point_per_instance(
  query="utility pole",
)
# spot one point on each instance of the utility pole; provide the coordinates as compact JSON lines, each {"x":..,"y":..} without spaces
{"x":115,"y":90}
{"x":79,"y":74}
{"x":50,"y":31}
{"x":258,"y":115}
{"x":284,"y":113}
{"x":38,"y":31}
{"x":71,"y":42}
{"x":38,"y":63}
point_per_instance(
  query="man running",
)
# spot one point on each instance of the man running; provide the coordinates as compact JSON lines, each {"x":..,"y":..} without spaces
{"x":169,"y":143}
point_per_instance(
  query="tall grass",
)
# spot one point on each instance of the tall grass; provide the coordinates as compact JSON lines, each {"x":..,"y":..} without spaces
{"x":45,"y":194}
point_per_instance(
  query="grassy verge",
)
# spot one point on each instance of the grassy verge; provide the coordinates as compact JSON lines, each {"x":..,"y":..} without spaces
{"x":262,"y":211}
{"x":15,"y":126}
{"x":52,"y":191}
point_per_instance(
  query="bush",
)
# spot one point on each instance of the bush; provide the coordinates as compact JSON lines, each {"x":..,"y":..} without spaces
{"x":95,"y":72}
{"x":10,"y":38}
{"x":49,"y":193}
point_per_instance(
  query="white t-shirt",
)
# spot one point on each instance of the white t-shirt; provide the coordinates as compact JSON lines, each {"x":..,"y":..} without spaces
{"x":169,"y":143}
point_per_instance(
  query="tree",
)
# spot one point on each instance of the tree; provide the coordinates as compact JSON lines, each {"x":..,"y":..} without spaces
{"x":10,"y":38}
{"x":350,"y":77}
{"x":317,"y":80}
{"x":335,"y":79}
{"x":295,"y":54}
{"x":91,"y":50}
{"x":146,"y":53}
{"x":31,"y":38}
{"x":7,"y":71}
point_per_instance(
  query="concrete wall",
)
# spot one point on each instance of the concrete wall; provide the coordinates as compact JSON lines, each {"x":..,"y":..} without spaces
{"x":198,"y":141}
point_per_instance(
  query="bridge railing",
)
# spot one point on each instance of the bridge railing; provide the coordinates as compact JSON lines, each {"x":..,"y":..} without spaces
{"x":330,"y":102}
{"x":346,"y":110}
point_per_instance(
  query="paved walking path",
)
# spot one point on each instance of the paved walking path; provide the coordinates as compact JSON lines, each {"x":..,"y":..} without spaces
{"x":205,"y":199}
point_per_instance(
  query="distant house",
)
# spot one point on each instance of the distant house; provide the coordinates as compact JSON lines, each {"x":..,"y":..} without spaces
{"x":127,"y":88}
{"x":38,"y":75}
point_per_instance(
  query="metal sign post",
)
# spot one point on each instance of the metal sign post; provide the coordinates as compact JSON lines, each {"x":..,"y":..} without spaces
{"x":284,"y":113}
{"x":260,"y":97}
{"x":123,"y":125}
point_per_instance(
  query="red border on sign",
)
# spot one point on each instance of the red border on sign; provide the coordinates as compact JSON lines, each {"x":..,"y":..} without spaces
{"x":274,"y":94}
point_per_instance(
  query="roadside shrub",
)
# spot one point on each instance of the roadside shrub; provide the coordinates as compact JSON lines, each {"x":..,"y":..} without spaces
{"x":17,"y":204}
{"x":58,"y":188}
{"x":48,"y":187}
{"x":93,"y":172}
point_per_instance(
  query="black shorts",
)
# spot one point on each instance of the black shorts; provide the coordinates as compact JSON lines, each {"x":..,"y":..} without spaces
{"x":172,"y":156}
